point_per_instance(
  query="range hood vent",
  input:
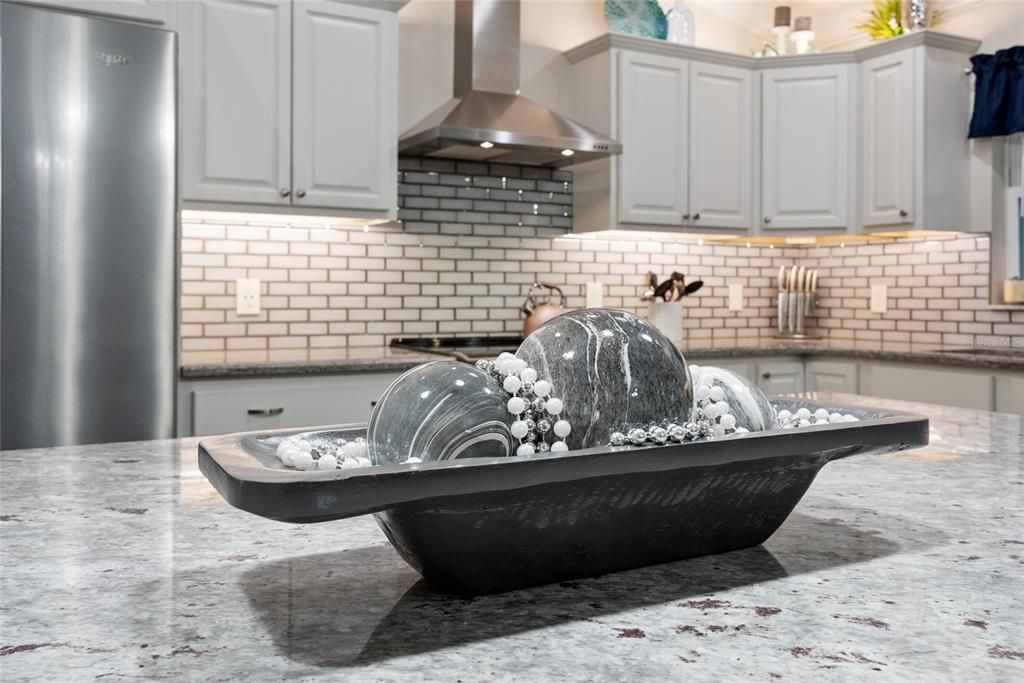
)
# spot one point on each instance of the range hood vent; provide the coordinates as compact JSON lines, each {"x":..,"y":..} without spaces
{"x":488,"y":120}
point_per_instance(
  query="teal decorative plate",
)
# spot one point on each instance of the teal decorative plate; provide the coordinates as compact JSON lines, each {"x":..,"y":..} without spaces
{"x":636,"y":18}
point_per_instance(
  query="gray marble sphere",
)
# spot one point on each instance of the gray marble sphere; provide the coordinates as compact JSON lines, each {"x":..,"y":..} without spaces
{"x":613,"y":371}
{"x":747,"y":403}
{"x":440,"y":411}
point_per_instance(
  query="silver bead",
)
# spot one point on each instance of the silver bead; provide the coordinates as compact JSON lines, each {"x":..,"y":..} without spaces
{"x":637,"y":436}
{"x":531,"y":437}
{"x":676,"y":433}
{"x":617,"y":438}
{"x":659,"y":434}
{"x":527,"y":387}
{"x":530,"y":424}
{"x":543,"y":447}
{"x":543,"y":426}
{"x":484,"y":365}
{"x":538,"y":405}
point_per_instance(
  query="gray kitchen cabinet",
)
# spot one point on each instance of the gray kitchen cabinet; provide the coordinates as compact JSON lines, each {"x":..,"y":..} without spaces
{"x":743,"y":367}
{"x":959,"y":387}
{"x":1010,"y":393}
{"x":780,"y":376}
{"x":833,"y":376}
{"x":220,"y":406}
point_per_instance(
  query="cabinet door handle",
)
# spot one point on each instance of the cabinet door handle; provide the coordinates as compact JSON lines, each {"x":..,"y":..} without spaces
{"x":686,"y":216}
{"x":265,"y":412}
{"x":300,"y":194}
{"x":767,"y":219}
{"x":766,"y":375}
{"x":903,"y":213}
{"x":696,"y":216}
{"x":285,"y":192}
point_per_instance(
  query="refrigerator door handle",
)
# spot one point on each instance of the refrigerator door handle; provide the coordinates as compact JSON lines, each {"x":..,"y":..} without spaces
{"x":265,"y":412}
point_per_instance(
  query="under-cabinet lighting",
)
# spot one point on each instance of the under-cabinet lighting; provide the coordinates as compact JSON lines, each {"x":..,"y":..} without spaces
{"x":567,"y":152}
{"x":486,"y":144}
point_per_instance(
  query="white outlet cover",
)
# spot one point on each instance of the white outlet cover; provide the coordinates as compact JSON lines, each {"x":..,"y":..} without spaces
{"x":879,"y":298}
{"x":736,"y":297}
{"x":247,"y":296}
{"x":595,"y":295}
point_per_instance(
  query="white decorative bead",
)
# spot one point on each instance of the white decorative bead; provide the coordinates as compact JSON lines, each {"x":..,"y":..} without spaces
{"x":805,"y":423}
{"x":717,"y":393}
{"x":520,"y":365}
{"x":835,"y":417}
{"x":512,"y":384}
{"x":728,"y":421}
{"x":503,"y":366}
{"x":851,"y":418}
{"x":803,"y":414}
{"x":519,"y":429}
{"x":718,"y":430}
{"x":542,"y":388}
{"x":525,"y":449}
{"x":349,"y":463}
{"x":327,"y":462}
{"x":516,"y":405}
{"x":554,"y":406}
{"x":559,"y":447}
{"x":722,"y":407}
{"x":304,"y":461}
{"x":354,"y":449}
{"x":412,"y":461}
{"x":742,"y":430}
{"x":562,"y":429}
{"x":702,"y":393}
{"x":784,"y":415}
{"x":821,"y":414}
{"x":528,"y":375}
{"x":711,"y":411}
{"x":305,"y":446}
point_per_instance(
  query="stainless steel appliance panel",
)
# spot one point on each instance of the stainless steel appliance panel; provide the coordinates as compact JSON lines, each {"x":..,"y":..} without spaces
{"x":89,"y":252}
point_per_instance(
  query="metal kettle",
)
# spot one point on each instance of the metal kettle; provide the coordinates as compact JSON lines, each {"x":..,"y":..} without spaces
{"x":539,"y":308}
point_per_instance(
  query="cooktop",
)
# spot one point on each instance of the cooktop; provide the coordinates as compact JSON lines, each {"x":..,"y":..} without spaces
{"x":461,"y":348}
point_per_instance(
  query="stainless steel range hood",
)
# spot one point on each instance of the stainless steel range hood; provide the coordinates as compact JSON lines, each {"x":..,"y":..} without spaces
{"x":488,"y":120}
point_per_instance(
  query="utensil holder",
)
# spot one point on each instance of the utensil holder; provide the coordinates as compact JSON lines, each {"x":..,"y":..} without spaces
{"x":668,"y":318}
{"x":793,"y":310}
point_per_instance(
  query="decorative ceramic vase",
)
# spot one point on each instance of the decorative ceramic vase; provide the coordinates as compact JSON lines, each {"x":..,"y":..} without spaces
{"x":642,"y":18}
{"x":917,"y":15}
{"x":667,"y":316}
{"x":614,"y":371}
{"x":441,"y":410}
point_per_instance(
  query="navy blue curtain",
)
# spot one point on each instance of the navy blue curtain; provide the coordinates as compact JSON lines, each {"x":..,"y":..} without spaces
{"x":998,"y":93}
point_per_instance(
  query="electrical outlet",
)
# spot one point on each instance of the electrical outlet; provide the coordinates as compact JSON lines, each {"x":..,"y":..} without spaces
{"x":879,"y":298}
{"x":736,"y":297}
{"x":247,"y":296}
{"x":595,"y":295}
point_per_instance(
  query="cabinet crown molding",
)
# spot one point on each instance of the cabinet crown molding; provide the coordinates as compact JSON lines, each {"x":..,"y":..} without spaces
{"x":927,"y":38}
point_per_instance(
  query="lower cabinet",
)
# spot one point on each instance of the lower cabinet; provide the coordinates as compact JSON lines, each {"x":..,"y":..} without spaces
{"x":1010,"y":394}
{"x":832,"y":376}
{"x":221,"y":406}
{"x":780,"y":377}
{"x":963,"y":388}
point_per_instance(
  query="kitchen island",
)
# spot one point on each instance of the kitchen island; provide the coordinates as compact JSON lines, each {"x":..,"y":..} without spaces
{"x":121,"y":561}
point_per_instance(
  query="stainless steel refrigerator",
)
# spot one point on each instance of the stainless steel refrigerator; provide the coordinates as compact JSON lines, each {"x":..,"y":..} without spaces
{"x":89,"y":230}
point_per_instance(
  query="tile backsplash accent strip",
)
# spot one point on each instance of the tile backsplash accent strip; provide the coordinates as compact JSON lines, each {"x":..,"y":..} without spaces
{"x":475,"y":236}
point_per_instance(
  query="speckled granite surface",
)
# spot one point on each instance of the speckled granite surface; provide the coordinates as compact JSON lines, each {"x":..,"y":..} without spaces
{"x":121,"y":562}
{"x":386,"y":359}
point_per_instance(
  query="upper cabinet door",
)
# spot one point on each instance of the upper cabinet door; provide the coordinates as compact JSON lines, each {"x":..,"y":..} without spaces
{"x":721,"y":146}
{"x":887,"y":146}
{"x":805,"y":147}
{"x":236,"y":100}
{"x":345,"y":132}
{"x":652,"y":127}
{"x":150,"y":11}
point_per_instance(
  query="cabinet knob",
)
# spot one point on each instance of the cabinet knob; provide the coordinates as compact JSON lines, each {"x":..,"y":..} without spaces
{"x":696,"y":216}
{"x":903,"y":213}
{"x":766,"y":375}
{"x":265,"y":412}
{"x":767,"y":219}
{"x":300,"y":194}
{"x":686,"y":216}
{"x":285,"y":192}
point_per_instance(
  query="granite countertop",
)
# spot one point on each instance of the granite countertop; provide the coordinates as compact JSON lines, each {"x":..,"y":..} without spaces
{"x":385,"y":359}
{"x":120,"y":562}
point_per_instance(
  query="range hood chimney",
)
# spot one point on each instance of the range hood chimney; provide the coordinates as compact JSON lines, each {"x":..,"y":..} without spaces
{"x":487,"y":119}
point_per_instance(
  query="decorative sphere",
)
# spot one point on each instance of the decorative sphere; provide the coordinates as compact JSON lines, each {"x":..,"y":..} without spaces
{"x":528,"y":375}
{"x":803,"y":414}
{"x":612,"y":370}
{"x":304,"y":461}
{"x":519,"y":429}
{"x":437,"y":411}
{"x":728,"y":421}
{"x":525,"y":449}
{"x":659,"y":434}
{"x":512,"y":384}
{"x":617,"y":439}
{"x":559,"y":447}
{"x":562,"y":429}
{"x":543,"y":447}
{"x":741,"y":399}
{"x":717,"y":393}
{"x":821,"y":414}
{"x":554,"y":406}
{"x":542,"y":388}
{"x":637,"y":436}
{"x":543,"y":426}
{"x":327,"y":462}
{"x":516,"y":405}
